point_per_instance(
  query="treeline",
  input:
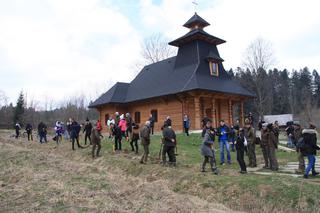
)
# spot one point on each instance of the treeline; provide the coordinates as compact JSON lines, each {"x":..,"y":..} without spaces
{"x":281,"y":91}
{"x":76,"y":108}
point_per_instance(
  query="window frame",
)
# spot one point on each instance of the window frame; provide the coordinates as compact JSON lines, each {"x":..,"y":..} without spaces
{"x":152,"y":112}
{"x":137,"y":117}
{"x":216,"y":64}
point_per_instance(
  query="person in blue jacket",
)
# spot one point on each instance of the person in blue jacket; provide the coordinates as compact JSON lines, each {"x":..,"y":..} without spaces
{"x":186,"y":124}
{"x":223,"y":133}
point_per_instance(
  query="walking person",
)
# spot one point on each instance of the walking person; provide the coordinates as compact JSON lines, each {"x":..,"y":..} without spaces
{"x":186,"y":124}
{"x":75,"y":131}
{"x":169,"y":144}
{"x":117,"y":134}
{"x":271,"y":148}
{"x":249,"y":134}
{"x":297,"y":137}
{"x":87,"y":130}
{"x":58,"y":132}
{"x":134,"y":139}
{"x":110,"y":121}
{"x":123,"y":125}
{"x":309,"y":149}
{"x":207,"y":150}
{"x":145,"y":141}
{"x":69,"y":128}
{"x":96,"y":142}
{"x":117,"y":118}
{"x":232,"y":138}
{"x":241,"y":143}
{"x":223,"y":132}
{"x":29,"y":131}
{"x":290,"y":134}
{"x":152,"y":121}
{"x":17,"y":128}
{"x":264,"y":145}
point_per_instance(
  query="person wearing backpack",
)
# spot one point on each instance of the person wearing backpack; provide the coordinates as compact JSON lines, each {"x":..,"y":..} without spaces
{"x":309,"y":148}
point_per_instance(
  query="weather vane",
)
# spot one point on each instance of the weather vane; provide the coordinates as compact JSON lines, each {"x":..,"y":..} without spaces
{"x":195,"y":3}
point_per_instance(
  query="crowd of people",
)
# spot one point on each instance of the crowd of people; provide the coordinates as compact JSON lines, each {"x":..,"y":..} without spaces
{"x":240,"y":139}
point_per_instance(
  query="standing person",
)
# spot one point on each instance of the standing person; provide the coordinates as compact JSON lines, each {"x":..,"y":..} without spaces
{"x":129,"y":126}
{"x":310,"y":148}
{"x":96,"y":141}
{"x":251,"y":119}
{"x":29,"y":131}
{"x":117,"y":134}
{"x":117,"y":118}
{"x":186,"y":124}
{"x":75,"y":130}
{"x":42,"y":131}
{"x":276,"y":130}
{"x":223,"y":132}
{"x":123,"y":125}
{"x":232,"y":138}
{"x":207,"y":150}
{"x":58,"y":132}
{"x":134,"y":139}
{"x":17,"y":128}
{"x":290,"y":134}
{"x":272,"y":146}
{"x":264,"y":145}
{"x":241,"y":144}
{"x":204,"y":122}
{"x":69,"y":128}
{"x":297,"y":137}
{"x":250,"y":137}
{"x":87,"y":130}
{"x":110,"y":121}
{"x":169,"y":144}
{"x":152,"y":121}
{"x":145,"y":141}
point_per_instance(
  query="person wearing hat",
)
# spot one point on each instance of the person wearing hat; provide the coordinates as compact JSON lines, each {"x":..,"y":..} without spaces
{"x":249,"y":134}
{"x":310,"y":148}
{"x":96,"y":141}
{"x":145,"y":141}
{"x":207,"y":150}
{"x":87,"y":130}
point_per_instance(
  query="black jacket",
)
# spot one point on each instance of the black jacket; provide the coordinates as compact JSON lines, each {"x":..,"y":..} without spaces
{"x":88,"y":128}
{"x":168,"y":135}
{"x":29,"y":128}
{"x":310,"y":142}
{"x":116,"y":132}
{"x":75,"y":129}
{"x":42,"y":128}
{"x":240,"y":141}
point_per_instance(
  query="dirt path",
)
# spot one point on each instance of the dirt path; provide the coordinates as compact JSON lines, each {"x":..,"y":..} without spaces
{"x":40,"y":178}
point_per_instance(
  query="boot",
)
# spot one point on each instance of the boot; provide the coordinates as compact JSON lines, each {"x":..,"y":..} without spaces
{"x":215,"y":171}
{"x":314,"y":173}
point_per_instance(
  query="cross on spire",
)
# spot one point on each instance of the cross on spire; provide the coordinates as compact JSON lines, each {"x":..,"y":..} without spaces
{"x":195,"y":3}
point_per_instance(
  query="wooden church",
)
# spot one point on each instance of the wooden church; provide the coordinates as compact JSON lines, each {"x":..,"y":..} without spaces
{"x":194,"y":83}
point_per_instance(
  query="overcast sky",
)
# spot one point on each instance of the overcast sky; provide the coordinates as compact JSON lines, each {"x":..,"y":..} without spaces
{"x":58,"y":48}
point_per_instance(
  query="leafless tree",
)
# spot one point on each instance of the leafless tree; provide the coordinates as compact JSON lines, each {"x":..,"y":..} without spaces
{"x":3,"y":99}
{"x":153,"y":49}
{"x":259,"y":55}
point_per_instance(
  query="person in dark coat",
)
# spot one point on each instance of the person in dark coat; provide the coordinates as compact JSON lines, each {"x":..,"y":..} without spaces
{"x":134,"y":139}
{"x":151,"y":120}
{"x":96,"y":141}
{"x":264,"y":145}
{"x":17,"y":128}
{"x":250,"y":136}
{"x":42,"y":131}
{"x":241,"y":144}
{"x":310,"y":149}
{"x":87,"y":130}
{"x":186,"y":124}
{"x":204,"y":122}
{"x":167,"y":122}
{"x":297,"y":136}
{"x":232,"y":137}
{"x":207,"y":150}
{"x":270,"y":144}
{"x":29,"y":131}
{"x":69,"y":128}
{"x":223,"y":133}
{"x":290,"y":134}
{"x":169,"y":144}
{"x":117,"y":134}
{"x":145,"y":141}
{"x":129,"y":126}
{"x":75,"y":131}
{"x":205,"y":127}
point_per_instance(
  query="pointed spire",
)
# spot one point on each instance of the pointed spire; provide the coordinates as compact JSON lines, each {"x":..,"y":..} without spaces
{"x":196,"y":22}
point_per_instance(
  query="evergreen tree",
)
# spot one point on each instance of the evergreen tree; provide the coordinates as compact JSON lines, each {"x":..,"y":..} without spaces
{"x":19,"y":109}
{"x":316,"y":88}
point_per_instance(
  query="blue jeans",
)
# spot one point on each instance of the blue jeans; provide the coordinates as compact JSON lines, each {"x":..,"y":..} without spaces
{"x":290,"y":142}
{"x":222,"y":144}
{"x":43,"y":138}
{"x":311,"y":163}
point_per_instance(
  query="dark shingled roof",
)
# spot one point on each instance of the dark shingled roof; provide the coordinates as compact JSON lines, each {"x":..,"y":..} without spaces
{"x":196,"y":20}
{"x":187,"y":71}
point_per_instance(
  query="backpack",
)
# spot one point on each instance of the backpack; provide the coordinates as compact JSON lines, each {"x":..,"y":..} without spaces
{"x":301,"y":143}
